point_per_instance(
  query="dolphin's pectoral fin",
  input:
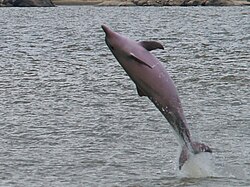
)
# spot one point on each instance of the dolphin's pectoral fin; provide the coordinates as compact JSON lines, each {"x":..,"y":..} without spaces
{"x":140,"y":91}
{"x":151,"y":45}
{"x":139,"y":60}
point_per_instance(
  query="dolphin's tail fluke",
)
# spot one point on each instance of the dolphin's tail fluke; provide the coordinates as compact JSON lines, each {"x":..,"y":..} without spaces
{"x":196,"y":148}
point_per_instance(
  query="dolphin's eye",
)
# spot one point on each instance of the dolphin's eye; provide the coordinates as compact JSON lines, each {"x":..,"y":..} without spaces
{"x":110,"y":46}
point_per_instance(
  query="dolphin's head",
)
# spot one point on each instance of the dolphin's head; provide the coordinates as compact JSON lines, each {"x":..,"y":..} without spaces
{"x":133,"y":56}
{"x":117,"y":43}
{"x":112,"y":38}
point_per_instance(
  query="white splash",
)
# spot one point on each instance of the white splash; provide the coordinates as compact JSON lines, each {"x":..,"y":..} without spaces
{"x":198,"y":166}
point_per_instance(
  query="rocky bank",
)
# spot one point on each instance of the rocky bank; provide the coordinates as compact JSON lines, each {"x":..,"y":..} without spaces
{"x":26,"y":3}
{"x":46,"y":3}
{"x":153,"y":2}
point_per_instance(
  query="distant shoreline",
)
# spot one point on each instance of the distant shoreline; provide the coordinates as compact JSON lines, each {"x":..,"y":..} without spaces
{"x":130,"y":3}
{"x":40,"y":3}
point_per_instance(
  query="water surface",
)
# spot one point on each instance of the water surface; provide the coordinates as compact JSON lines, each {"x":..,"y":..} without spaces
{"x":71,"y":117}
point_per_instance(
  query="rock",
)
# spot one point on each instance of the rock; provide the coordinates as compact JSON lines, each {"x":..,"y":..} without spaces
{"x":28,"y":3}
{"x":219,"y":3}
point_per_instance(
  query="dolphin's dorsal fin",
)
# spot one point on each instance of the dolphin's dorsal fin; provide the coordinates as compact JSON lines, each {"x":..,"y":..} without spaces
{"x":140,"y":91}
{"x":151,"y":45}
{"x":139,"y":60}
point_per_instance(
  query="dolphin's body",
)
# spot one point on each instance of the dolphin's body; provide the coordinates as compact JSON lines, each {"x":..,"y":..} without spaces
{"x":153,"y":81}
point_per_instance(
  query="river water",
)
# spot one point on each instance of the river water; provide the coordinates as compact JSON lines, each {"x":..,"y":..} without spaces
{"x":70,"y":116}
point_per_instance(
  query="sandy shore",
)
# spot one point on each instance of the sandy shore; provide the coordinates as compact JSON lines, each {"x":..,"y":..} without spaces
{"x":95,"y":2}
{"x":76,"y":2}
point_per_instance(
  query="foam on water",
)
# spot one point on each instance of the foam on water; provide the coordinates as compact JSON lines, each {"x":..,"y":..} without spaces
{"x":198,"y":165}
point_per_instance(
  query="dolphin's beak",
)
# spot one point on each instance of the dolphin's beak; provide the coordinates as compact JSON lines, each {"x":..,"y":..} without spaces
{"x":106,"y":30}
{"x":109,"y":33}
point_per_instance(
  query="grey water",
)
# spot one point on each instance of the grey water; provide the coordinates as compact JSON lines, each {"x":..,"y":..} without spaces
{"x":70,"y":116}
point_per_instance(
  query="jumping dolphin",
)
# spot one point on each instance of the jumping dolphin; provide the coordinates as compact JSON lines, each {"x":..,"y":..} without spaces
{"x":152,"y":80}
